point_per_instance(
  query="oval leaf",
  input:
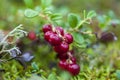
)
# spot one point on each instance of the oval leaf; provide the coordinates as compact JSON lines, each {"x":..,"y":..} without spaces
{"x":91,"y":14}
{"x":52,"y":76}
{"x":46,"y":3}
{"x":30,"y":13}
{"x":72,"y":20}
{"x":78,"y":38}
{"x":56,"y":16}
{"x":35,"y":66}
{"x":29,"y":3}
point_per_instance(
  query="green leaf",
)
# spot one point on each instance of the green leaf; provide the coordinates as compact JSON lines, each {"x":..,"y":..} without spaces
{"x":91,"y":14}
{"x":29,"y":3}
{"x":65,"y":76}
{"x":35,"y":77}
{"x":46,"y":3}
{"x":52,"y":76}
{"x":72,"y":20}
{"x":30,"y":13}
{"x":56,"y":16}
{"x":80,"y":45}
{"x":35,"y":66}
{"x":118,"y":74}
{"x":78,"y":38}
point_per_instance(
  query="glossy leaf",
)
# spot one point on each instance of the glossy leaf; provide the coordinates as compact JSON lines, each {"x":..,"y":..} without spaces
{"x":78,"y":38}
{"x":72,"y":20}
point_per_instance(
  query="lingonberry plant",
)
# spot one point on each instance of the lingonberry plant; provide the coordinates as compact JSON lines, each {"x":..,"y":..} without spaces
{"x":62,"y":39}
{"x":59,"y":45}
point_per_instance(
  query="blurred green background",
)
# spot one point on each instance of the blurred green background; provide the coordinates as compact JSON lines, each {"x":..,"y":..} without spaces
{"x":11,"y":11}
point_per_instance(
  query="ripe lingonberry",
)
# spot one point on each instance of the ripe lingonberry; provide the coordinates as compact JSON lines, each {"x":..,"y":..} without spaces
{"x":47,"y":35}
{"x":63,"y":56}
{"x":32,"y":35}
{"x":68,"y":38}
{"x":61,"y":42}
{"x":60,"y":30}
{"x":54,"y":39}
{"x":62,"y":48}
{"x":47,"y":27}
{"x":74,"y":69}
{"x":63,"y":64}
{"x":73,"y":59}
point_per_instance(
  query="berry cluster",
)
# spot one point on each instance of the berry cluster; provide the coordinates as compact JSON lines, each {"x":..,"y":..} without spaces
{"x":60,"y":42}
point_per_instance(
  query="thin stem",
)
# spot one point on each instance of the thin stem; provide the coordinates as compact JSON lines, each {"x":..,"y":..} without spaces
{"x":45,"y":17}
{"x":82,"y":22}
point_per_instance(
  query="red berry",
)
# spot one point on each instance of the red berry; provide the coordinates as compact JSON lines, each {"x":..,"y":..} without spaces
{"x":60,"y":30}
{"x":32,"y":35}
{"x":47,"y":27}
{"x":68,"y":38}
{"x":63,"y":56}
{"x":47,"y":35}
{"x":54,"y":39}
{"x":57,"y":49}
{"x":62,"y":48}
{"x":63,"y":64}
{"x":74,"y":69}
{"x":73,"y":59}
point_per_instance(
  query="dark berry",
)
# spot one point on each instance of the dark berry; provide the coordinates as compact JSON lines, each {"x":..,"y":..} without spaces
{"x":62,"y":48}
{"x":74,"y":69}
{"x":107,"y":37}
{"x":68,"y":38}
{"x":32,"y":35}
{"x":54,"y":39}
{"x":47,"y":27}
{"x":47,"y":35}
{"x":60,"y":30}
{"x":63,"y":64}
